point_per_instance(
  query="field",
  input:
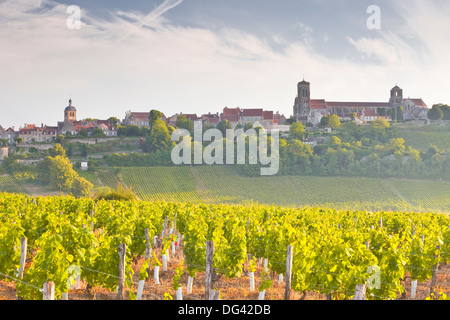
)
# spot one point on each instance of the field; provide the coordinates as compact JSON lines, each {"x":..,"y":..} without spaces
{"x":9,"y":184}
{"x":222,"y":184}
{"x":422,"y":139}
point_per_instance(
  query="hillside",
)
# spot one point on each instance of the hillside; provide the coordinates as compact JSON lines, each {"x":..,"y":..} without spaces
{"x":222,"y":184}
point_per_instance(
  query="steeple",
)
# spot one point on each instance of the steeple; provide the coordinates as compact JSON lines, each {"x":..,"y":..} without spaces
{"x":70,"y":112}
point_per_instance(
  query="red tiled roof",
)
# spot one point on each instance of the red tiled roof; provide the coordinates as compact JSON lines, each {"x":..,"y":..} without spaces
{"x":268,"y":115}
{"x":357,"y":104}
{"x":417,"y":102}
{"x":141,"y":115}
{"x":318,"y":104}
{"x":29,"y":130}
{"x":370,"y":112}
{"x":191,"y":117}
{"x":230,"y":118}
{"x":252,"y":112}
{"x":231,"y":111}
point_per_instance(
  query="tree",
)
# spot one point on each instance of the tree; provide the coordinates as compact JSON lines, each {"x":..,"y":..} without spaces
{"x":154,"y":115}
{"x":297,"y":131}
{"x":114,"y":120}
{"x":98,"y":133}
{"x":334,"y":122}
{"x":81,"y":187}
{"x":60,"y":138}
{"x":184,"y":123}
{"x":70,"y":150}
{"x":248,"y":125}
{"x":57,"y":150}
{"x":325,"y":120}
{"x":399,"y":113}
{"x":159,"y":138}
{"x":353,"y":116}
{"x":446,"y":110}
{"x":436,"y":113}
{"x":83,"y":132}
{"x":62,"y":174}
{"x":224,"y":125}
{"x":84,"y":150}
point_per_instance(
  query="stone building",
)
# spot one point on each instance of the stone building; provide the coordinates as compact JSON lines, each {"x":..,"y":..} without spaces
{"x":306,"y":109}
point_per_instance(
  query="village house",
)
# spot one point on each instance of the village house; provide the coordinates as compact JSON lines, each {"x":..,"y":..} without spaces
{"x":8,"y":135}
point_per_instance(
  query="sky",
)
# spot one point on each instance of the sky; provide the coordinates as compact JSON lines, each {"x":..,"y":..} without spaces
{"x":199,"y":56}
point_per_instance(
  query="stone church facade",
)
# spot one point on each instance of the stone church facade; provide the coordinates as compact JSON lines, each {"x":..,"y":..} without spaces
{"x":311,"y":110}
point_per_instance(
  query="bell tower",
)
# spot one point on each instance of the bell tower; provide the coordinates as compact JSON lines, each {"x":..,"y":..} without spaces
{"x":396,"y":98}
{"x":70,"y":112}
{"x":302,"y":105}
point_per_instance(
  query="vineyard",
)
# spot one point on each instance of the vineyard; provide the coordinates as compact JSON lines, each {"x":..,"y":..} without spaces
{"x":61,"y":247}
{"x":223,"y":185}
{"x":9,"y":184}
{"x":422,"y":139}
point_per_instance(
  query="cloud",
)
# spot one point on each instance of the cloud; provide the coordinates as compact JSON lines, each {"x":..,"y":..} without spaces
{"x":140,"y":61}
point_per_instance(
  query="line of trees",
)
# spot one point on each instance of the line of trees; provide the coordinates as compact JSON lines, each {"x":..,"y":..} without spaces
{"x":375,"y":150}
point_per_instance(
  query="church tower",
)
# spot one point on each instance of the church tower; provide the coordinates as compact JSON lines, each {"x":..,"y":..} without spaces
{"x":70,"y":113}
{"x":302,"y":106}
{"x":396,"y":98}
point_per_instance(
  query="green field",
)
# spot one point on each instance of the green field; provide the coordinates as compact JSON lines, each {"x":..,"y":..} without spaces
{"x":423,"y":138}
{"x":222,"y":184}
{"x":9,"y":184}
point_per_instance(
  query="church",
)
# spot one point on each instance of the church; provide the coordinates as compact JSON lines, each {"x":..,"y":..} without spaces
{"x":312,"y":110}
{"x":72,"y":126}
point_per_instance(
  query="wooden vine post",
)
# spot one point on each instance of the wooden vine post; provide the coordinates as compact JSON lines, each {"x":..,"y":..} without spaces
{"x":209,"y":269}
{"x":288,"y":276}
{"x":435,"y":271}
{"x":360,"y":292}
{"x":120,"y":288}
{"x":49,"y":290}
{"x":23,"y":256}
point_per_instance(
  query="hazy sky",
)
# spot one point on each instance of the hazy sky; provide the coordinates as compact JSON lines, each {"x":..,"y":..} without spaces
{"x":196,"y":56}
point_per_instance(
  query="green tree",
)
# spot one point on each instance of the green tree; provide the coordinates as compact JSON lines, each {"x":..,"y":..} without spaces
{"x":114,"y":120}
{"x":57,"y":150}
{"x":84,"y":150}
{"x":248,"y":125}
{"x":436,"y":113}
{"x":334,"y":122}
{"x":184,"y":123}
{"x":297,"y":131}
{"x":159,"y":138}
{"x":324,"y":122}
{"x":83,"y":132}
{"x":446,"y":110}
{"x":81,"y":187}
{"x":224,"y":125}
{"x":98,"y":133}
{"x":62,"y":174}
{"x":60,"y":138}
{"x":43,"y":170}
{"x":154,"y":115}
